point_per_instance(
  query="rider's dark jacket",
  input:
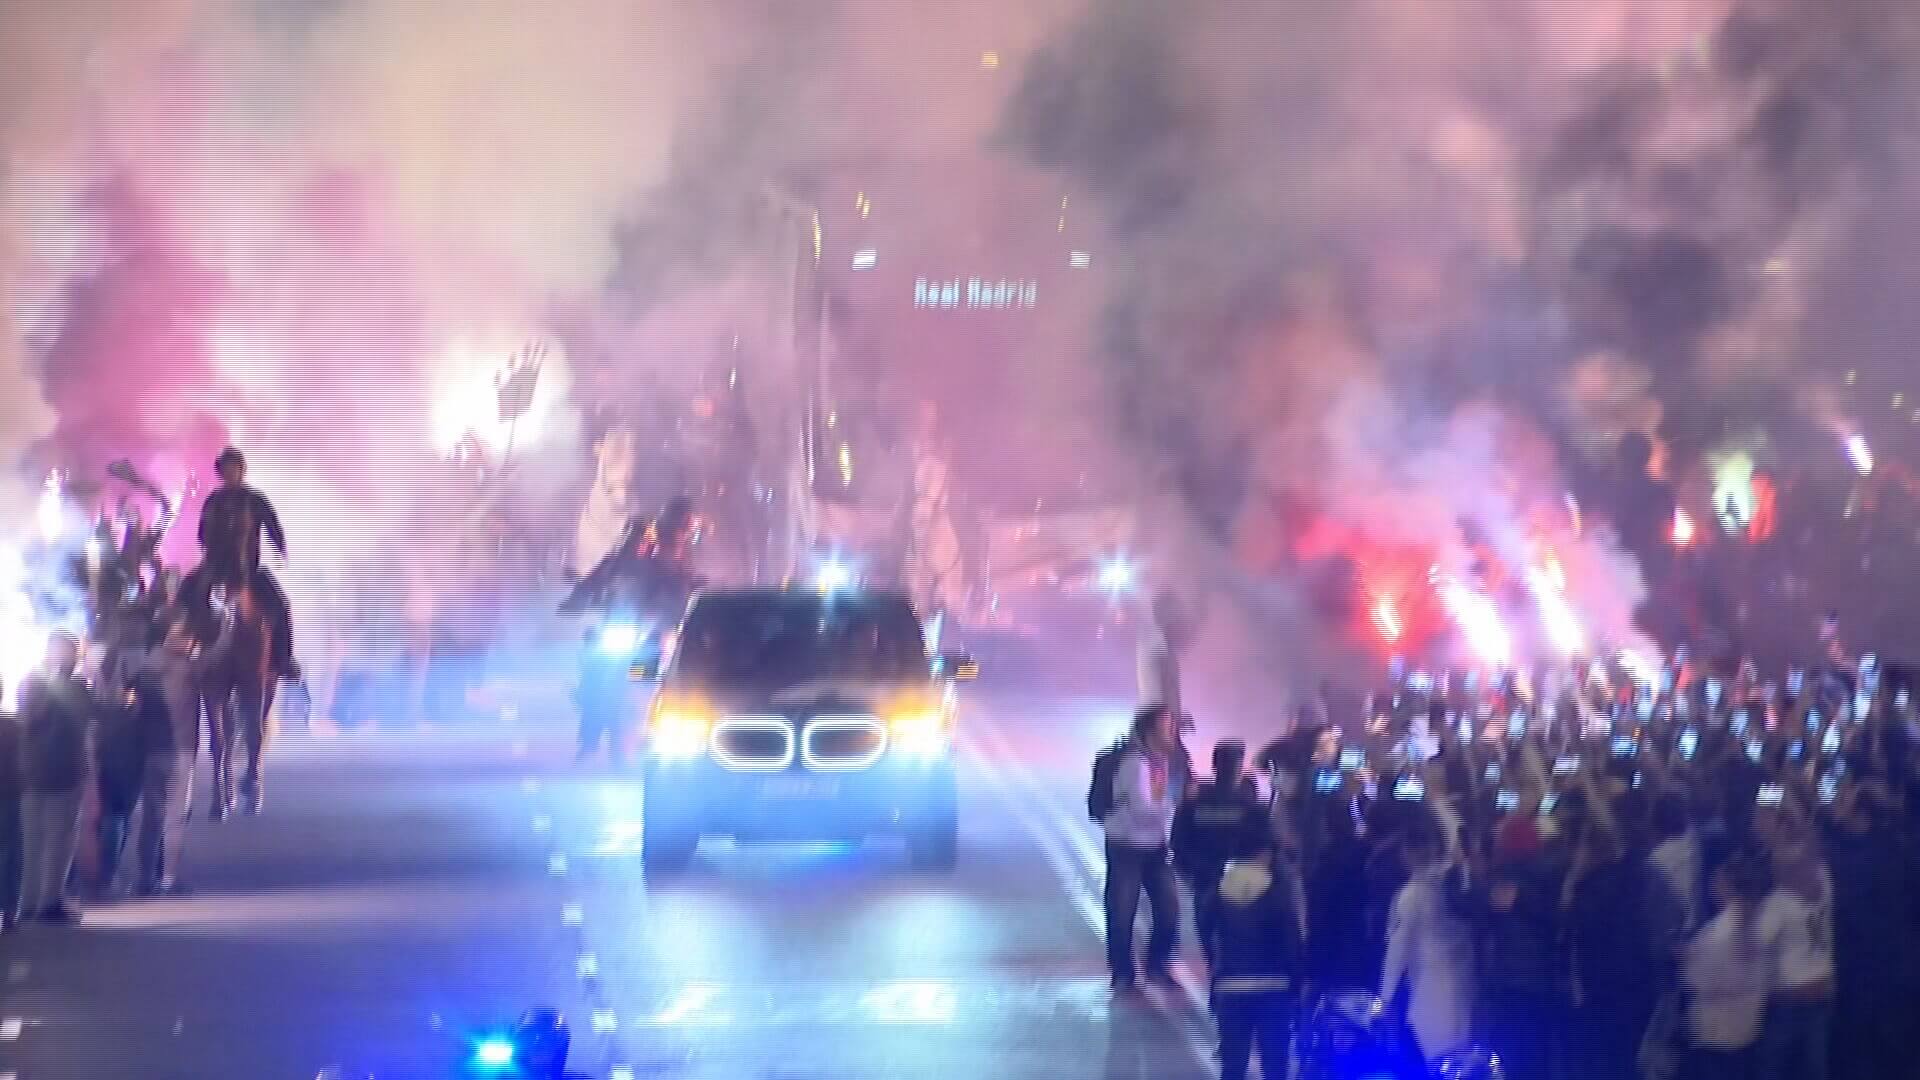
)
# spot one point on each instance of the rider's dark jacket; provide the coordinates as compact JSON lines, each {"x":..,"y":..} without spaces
{"x":230,"y":525}
{"x":651,"y":583}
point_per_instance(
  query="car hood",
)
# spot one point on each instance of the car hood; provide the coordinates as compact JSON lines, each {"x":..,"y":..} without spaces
{"x":840,"y":694}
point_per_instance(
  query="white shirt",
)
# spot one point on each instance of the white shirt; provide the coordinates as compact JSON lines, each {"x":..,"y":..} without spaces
{"x":1799,"y":934}
{"x":1431,"y":950}
{"x":1141,"y":817}
{"x":1679,"y":859}
{"x":1726,"y":970}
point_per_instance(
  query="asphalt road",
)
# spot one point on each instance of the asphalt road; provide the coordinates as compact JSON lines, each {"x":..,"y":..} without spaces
{"x":403,"y":895}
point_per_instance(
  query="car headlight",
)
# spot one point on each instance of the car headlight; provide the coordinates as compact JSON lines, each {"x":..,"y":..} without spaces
{"x":619,"y":638}
{"x":922,"y":734}
{"x":678,"y":731}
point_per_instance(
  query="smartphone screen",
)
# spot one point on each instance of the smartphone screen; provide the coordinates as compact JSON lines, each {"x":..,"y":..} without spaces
{"x":1796,"y":750}
{"x":1795,"y":680}
{"x":1830,"y":742}
{"x":1517,"y":725}
{"x":1829,"y":789}
{"x":1507,"y":801}
{"x":1548,"y":803}
{"x":1623,"y":746}
{"x":1352,"y":758}
{"x":1493,"y":773}
{"x":1756,"y":750}
{"x":1409,"y":789}
{"x":1714,"y":690}
{"x":1738,"y":725}
{"x":1326,"y":781}
{"x":1689,"y":743}
{"x":1566,"y":765}
{"x":1771,"y":795}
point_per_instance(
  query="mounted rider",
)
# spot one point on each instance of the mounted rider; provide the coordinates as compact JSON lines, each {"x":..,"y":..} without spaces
{"x":231,"y":521}
{"x":651,"y":570}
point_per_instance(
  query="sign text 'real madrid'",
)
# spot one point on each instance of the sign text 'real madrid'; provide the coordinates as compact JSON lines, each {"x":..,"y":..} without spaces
{"x":978,"y":294}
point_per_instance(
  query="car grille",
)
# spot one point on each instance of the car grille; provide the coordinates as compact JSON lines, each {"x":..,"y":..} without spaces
{"x":843,"y":742}
{"x":753,"y":743}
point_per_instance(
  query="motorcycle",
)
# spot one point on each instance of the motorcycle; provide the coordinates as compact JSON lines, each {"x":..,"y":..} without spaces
{"x":1354,"y":1036}
{"x":619,"y":652}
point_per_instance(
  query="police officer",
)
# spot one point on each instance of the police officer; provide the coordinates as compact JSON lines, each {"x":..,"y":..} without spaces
{"x":1219,"y":821}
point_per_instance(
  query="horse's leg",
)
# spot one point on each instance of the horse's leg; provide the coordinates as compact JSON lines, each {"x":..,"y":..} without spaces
{"x":251,"y":701}
{"x":220,"y":727}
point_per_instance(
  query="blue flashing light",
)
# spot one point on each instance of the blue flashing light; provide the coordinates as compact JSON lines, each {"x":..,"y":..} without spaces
{"x":1118,"y":574}
{"x":619,"y":638}
{"x":494,"y":1053}
{"x":833,"y":576}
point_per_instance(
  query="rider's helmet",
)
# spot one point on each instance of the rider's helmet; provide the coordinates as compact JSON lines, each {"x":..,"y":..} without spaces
{"x":677,"y":516}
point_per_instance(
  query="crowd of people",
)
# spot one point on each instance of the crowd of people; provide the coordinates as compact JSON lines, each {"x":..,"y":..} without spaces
{"x":115,"y":741}
{"x":1678,"y":872}
{"x":122,"y":746}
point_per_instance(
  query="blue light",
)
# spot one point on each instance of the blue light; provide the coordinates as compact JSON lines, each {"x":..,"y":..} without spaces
{"x":619,"y":638}
{"x":494,"y":1053}
{"x":1117,"y":574}
{"x":833,"y":575}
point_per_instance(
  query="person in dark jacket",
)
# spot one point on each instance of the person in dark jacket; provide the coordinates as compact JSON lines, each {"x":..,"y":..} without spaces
{"x":231,"y":522}
{"x":56,"y":714}
{"x":1259,"y":952}
{"x":1219,"y":820}
{"x":119,"y":756}
{"x":1876,"y":934}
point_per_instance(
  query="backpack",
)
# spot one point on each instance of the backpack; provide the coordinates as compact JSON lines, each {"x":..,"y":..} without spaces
{"x":1100,"y":792}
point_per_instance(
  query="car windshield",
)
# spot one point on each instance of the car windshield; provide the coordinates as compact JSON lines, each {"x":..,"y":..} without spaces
{"x":791,"y":638}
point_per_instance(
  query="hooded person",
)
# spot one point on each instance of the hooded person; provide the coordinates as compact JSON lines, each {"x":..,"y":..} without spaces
{"x":231,"y":522}
{"x":1257,"y":945}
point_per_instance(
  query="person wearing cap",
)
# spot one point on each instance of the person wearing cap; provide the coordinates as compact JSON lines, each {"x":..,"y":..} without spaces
{"x":231,"y":521}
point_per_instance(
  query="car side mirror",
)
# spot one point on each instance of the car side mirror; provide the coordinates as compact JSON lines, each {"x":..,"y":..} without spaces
{"x":956,"y":665}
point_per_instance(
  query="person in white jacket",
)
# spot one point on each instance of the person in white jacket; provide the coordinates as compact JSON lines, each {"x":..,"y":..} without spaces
{"x":1139,"y":830}
{"x":1430,"y":952}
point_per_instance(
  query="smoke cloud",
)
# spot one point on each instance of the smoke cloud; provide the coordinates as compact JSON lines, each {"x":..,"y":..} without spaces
{"x":1405,"y":264}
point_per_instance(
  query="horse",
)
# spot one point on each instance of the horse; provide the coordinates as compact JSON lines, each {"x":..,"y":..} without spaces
{"x":237,"y":685}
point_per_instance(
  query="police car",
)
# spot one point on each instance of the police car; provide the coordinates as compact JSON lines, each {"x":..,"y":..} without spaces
{"x":801,"y":714}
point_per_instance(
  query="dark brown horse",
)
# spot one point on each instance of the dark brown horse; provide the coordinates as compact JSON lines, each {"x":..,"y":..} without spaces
{"x":237,"y":688}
